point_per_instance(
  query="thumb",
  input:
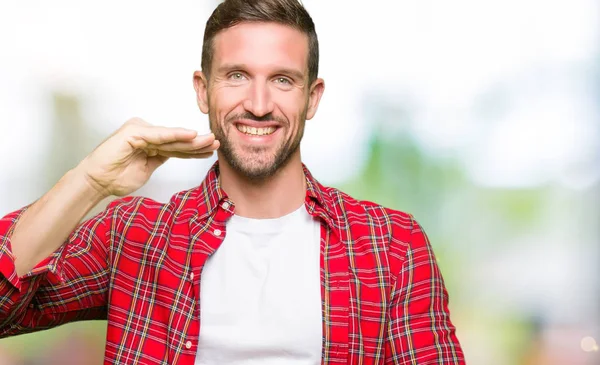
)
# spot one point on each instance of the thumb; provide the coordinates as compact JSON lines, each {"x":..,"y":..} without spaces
{"x":155,"y":162}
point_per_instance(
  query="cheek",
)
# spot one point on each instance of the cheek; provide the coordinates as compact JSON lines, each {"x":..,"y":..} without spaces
{"x":292,"y":106}
{"x":223,"y":101}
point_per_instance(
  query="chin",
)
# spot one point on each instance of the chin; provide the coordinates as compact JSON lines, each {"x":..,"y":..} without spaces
{"x":256,"y":164}
{"x":255,"y":169}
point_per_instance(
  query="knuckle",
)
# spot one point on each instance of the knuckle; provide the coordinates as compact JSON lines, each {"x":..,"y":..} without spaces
{"x":135,"y":121}
{"x":130,"y":132}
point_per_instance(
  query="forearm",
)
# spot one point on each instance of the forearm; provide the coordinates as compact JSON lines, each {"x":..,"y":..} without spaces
{"x":47,"y":223}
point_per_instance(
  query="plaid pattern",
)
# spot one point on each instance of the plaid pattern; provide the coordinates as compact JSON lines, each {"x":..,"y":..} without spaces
{"x":138,"y":265}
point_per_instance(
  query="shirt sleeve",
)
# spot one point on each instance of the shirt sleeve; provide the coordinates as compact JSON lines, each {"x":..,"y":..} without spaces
{"x":70,"y":285}
{"x":419,"y":327}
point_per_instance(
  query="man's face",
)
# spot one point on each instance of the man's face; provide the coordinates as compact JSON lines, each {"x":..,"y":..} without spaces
{"x":258,"y":96}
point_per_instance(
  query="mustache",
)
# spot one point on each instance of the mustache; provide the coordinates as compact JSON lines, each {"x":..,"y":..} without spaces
{"x":265,"y":118}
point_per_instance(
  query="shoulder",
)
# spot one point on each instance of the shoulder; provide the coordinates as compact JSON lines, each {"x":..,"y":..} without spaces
{"x":399,"y":231}
{"x":355,"y":210}
{"x":389,"y":231}
{"x":147,"y":209}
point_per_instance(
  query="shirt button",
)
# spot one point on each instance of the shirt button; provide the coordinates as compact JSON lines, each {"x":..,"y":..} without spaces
{"x":192,"y":276}
{"x":225,"y":205}
{"x":217,"y":232}
{"x":188,"y":345}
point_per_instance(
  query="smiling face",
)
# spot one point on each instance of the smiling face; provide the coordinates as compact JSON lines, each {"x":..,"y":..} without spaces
{"x":258,"y":96}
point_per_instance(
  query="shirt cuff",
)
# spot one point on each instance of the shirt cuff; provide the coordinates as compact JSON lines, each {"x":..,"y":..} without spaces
{"x":52,"y":265}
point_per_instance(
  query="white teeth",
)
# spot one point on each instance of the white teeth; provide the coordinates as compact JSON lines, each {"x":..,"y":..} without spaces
{"x":255,"y":131}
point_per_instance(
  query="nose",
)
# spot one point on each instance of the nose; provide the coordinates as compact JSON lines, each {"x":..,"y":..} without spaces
{"x":258,"y":100}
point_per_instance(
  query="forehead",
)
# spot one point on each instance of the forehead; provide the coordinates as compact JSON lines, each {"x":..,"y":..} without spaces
{"x":261,"y":45}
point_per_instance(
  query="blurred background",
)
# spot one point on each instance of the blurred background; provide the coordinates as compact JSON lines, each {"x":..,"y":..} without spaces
{"x":481,"y":118}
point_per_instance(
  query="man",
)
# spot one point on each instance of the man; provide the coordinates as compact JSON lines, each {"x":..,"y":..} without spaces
{"x":258,"y":264}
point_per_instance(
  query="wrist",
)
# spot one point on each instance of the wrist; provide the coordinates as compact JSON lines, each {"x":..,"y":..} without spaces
{"x":87,"y":187}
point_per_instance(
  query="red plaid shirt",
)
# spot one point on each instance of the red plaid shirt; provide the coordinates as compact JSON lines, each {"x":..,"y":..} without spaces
{"x":138,"y":265}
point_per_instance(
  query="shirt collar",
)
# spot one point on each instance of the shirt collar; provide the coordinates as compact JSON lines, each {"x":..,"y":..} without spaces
{"x":209,"y":195}
{"x":317,"y":193}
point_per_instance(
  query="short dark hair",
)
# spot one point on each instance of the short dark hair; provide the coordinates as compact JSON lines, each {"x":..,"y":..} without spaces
{"x":286,"y":12}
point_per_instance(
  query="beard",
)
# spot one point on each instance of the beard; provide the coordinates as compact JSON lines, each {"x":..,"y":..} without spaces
{"x":256,"y":163}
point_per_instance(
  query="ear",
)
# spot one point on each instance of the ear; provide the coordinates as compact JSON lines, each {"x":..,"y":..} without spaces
{"x":201,"y":87}
{"x":316,"y":91}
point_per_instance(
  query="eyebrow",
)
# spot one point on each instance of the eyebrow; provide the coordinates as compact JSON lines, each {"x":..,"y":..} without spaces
{"x":292,"y":72}
{"x":286,"y":71}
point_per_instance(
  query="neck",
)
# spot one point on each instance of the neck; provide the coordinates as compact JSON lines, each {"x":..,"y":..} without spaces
{"x":273,"y":197}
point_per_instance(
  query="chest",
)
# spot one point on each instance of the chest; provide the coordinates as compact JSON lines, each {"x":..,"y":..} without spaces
{"x":260,"y":295}
{"x":155,"y":302}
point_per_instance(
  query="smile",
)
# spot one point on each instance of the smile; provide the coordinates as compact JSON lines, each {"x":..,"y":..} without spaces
{"x":252,"y":131}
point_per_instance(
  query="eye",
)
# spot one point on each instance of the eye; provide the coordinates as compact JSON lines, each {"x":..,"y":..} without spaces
{"x":236,"y":76}
{"x":283,"y":81}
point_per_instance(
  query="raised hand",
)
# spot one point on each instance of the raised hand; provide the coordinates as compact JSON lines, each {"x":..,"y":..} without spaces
{"x":126,"y":160}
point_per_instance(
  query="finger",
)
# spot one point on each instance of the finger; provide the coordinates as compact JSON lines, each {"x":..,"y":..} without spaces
{"x":143,"y":136}
{"x":213,"y":147}
{"x":198,"y":143}
{"x":184,"y":154}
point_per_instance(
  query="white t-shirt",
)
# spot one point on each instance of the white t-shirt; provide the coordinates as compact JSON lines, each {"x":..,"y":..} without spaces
{"x":260,"y":294}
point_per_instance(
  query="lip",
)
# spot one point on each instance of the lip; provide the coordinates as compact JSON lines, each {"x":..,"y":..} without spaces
{"x":255,"y":124}
{"x":262,"y":139}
